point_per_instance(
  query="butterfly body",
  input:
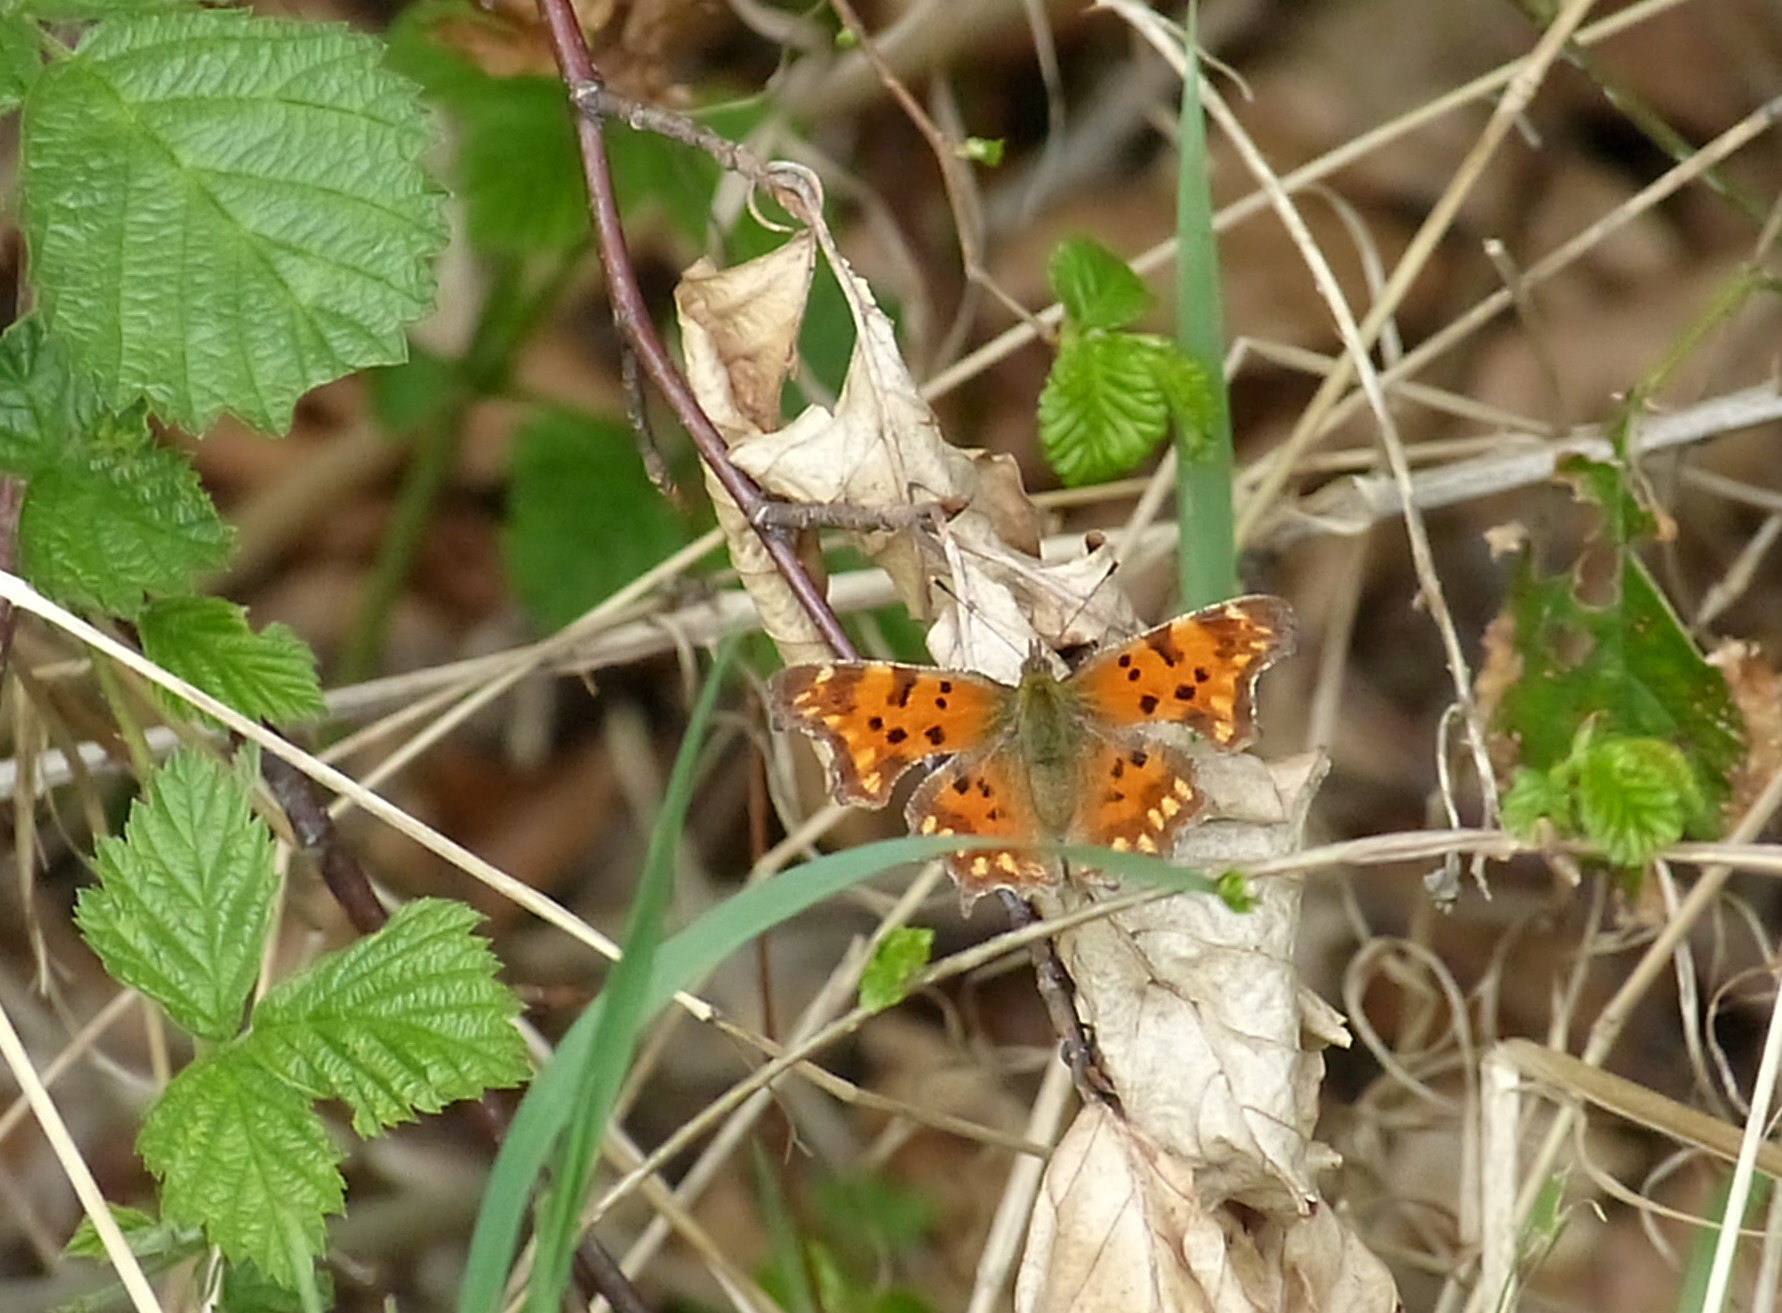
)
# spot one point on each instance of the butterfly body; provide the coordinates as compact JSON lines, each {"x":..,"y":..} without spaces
{"x":1048,"y":744}
{"x":1049,"y":760}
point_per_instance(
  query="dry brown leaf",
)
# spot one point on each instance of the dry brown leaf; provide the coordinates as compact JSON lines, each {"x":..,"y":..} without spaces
{"x":973,"y":570}
{"x":1122,"y":1226}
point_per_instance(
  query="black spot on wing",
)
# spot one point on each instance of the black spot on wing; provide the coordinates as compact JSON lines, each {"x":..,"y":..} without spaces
{"x":903,"y":683}
{"x":935,"y":735}
{"x":896,"y":734}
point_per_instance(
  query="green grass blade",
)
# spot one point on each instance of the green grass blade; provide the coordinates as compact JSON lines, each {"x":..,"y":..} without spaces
{"x":683,"y":960}
{"x":626,"y":1012}
{"x":1206,"y":556}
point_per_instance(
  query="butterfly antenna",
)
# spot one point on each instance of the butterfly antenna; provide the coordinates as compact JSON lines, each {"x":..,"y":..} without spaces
{"x":1093,"y":541}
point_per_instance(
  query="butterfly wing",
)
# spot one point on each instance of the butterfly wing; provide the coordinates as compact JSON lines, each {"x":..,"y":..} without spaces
{"x":1141,"y":798}
{"x":877,"y":719}
{"x":983,"y":795}
{"x":1197,"y":670}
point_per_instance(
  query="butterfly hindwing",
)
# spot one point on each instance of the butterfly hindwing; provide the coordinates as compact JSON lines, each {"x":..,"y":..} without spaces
{"x":1142,"y":797}
{"x":982,"y":794}
{"x":1198,"y":670}
{"x":879,"y":719}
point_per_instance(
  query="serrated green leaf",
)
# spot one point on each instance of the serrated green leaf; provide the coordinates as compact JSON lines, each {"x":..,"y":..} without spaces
{"x":900,"y":957}
{"x":1534,"y":796}
{"x":1630,"y":669}
{"x":241,"y":1154}
{"x":1634,"y":797}
{"x":1190,"y":398}
{"x":148,"y":1236}
{"x":106,"y":525}
{"x":225,"y":211}
{"x":1097,"y":289}
{"x":583,"y":518}
{"x":45,"y":408}
{"x":406,"y":1020}
{"x":185,"y":897}
{"x":270,"y":675}
{"x":1103,"y":409}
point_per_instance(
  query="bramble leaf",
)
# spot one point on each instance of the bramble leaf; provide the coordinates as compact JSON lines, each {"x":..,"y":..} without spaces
{"x":583,"y":518}
{"x":270,"y":675}
{"x":243,"y":1155}
{"x":45,"y":408}
{"x":1630,"y":669}
{"x":1107,"y":403}
{"x":408,"y":1019}
{"x":185,"y":897}
{"x":1097,"y":289}
{"x":1634,"y":797}
{"x":224,"y":211}
{"x":148,"y":1236}
{"x":900,"y":957}
{"x":1534,"y":796}
{"x":105,"y":525}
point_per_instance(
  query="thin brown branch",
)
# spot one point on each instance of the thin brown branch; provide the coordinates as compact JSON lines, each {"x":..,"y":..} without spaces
{"x":632,"y":317}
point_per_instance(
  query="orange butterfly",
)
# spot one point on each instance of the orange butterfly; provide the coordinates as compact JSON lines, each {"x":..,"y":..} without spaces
{"x":1063,"y":760}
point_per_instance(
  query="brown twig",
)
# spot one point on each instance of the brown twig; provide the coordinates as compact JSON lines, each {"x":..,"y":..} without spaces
{"x":631,"y":315}
{"x":1058,"y":992}
{"x":317,"y":837}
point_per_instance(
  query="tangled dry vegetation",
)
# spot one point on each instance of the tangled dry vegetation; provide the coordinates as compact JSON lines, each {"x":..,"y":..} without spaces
{"x":1526,"y":239}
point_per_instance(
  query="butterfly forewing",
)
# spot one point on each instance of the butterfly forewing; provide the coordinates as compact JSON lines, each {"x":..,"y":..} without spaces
{"x":983,"y":795}
{"x":880,"y":719}
{"x":1198,"y":670}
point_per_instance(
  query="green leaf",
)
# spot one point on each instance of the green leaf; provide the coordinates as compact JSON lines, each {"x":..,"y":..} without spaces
{"x":1103,"y":409}
{"x":105,"y":525}
{"x":870,"y":1215}
{"x":21,"y":59}
{"x":246,"y":1289}
{"x":1096,"y":287}
{"x":185,"y":897}
{"x":1190,"y":399}
{"x":1630,"y":669}
{"x":224,"y":211}
{"x":206,"y":641}
{"x":241,"y":1154}
{"x":1534,"y":796}
{"x":45,"y":408}
{"x":516,"y":164}
{"x":900,"y":957}
{"x":626,"y":1008}
{"x":148,"y":1236}
{"x":1634,"y":797}
{"x":408,"y":1019}
{"x":583,"y":518}
{"x":1606,"y":485}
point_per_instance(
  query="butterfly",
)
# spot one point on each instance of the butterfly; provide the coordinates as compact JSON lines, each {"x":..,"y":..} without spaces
{"x":1047,"y":760}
